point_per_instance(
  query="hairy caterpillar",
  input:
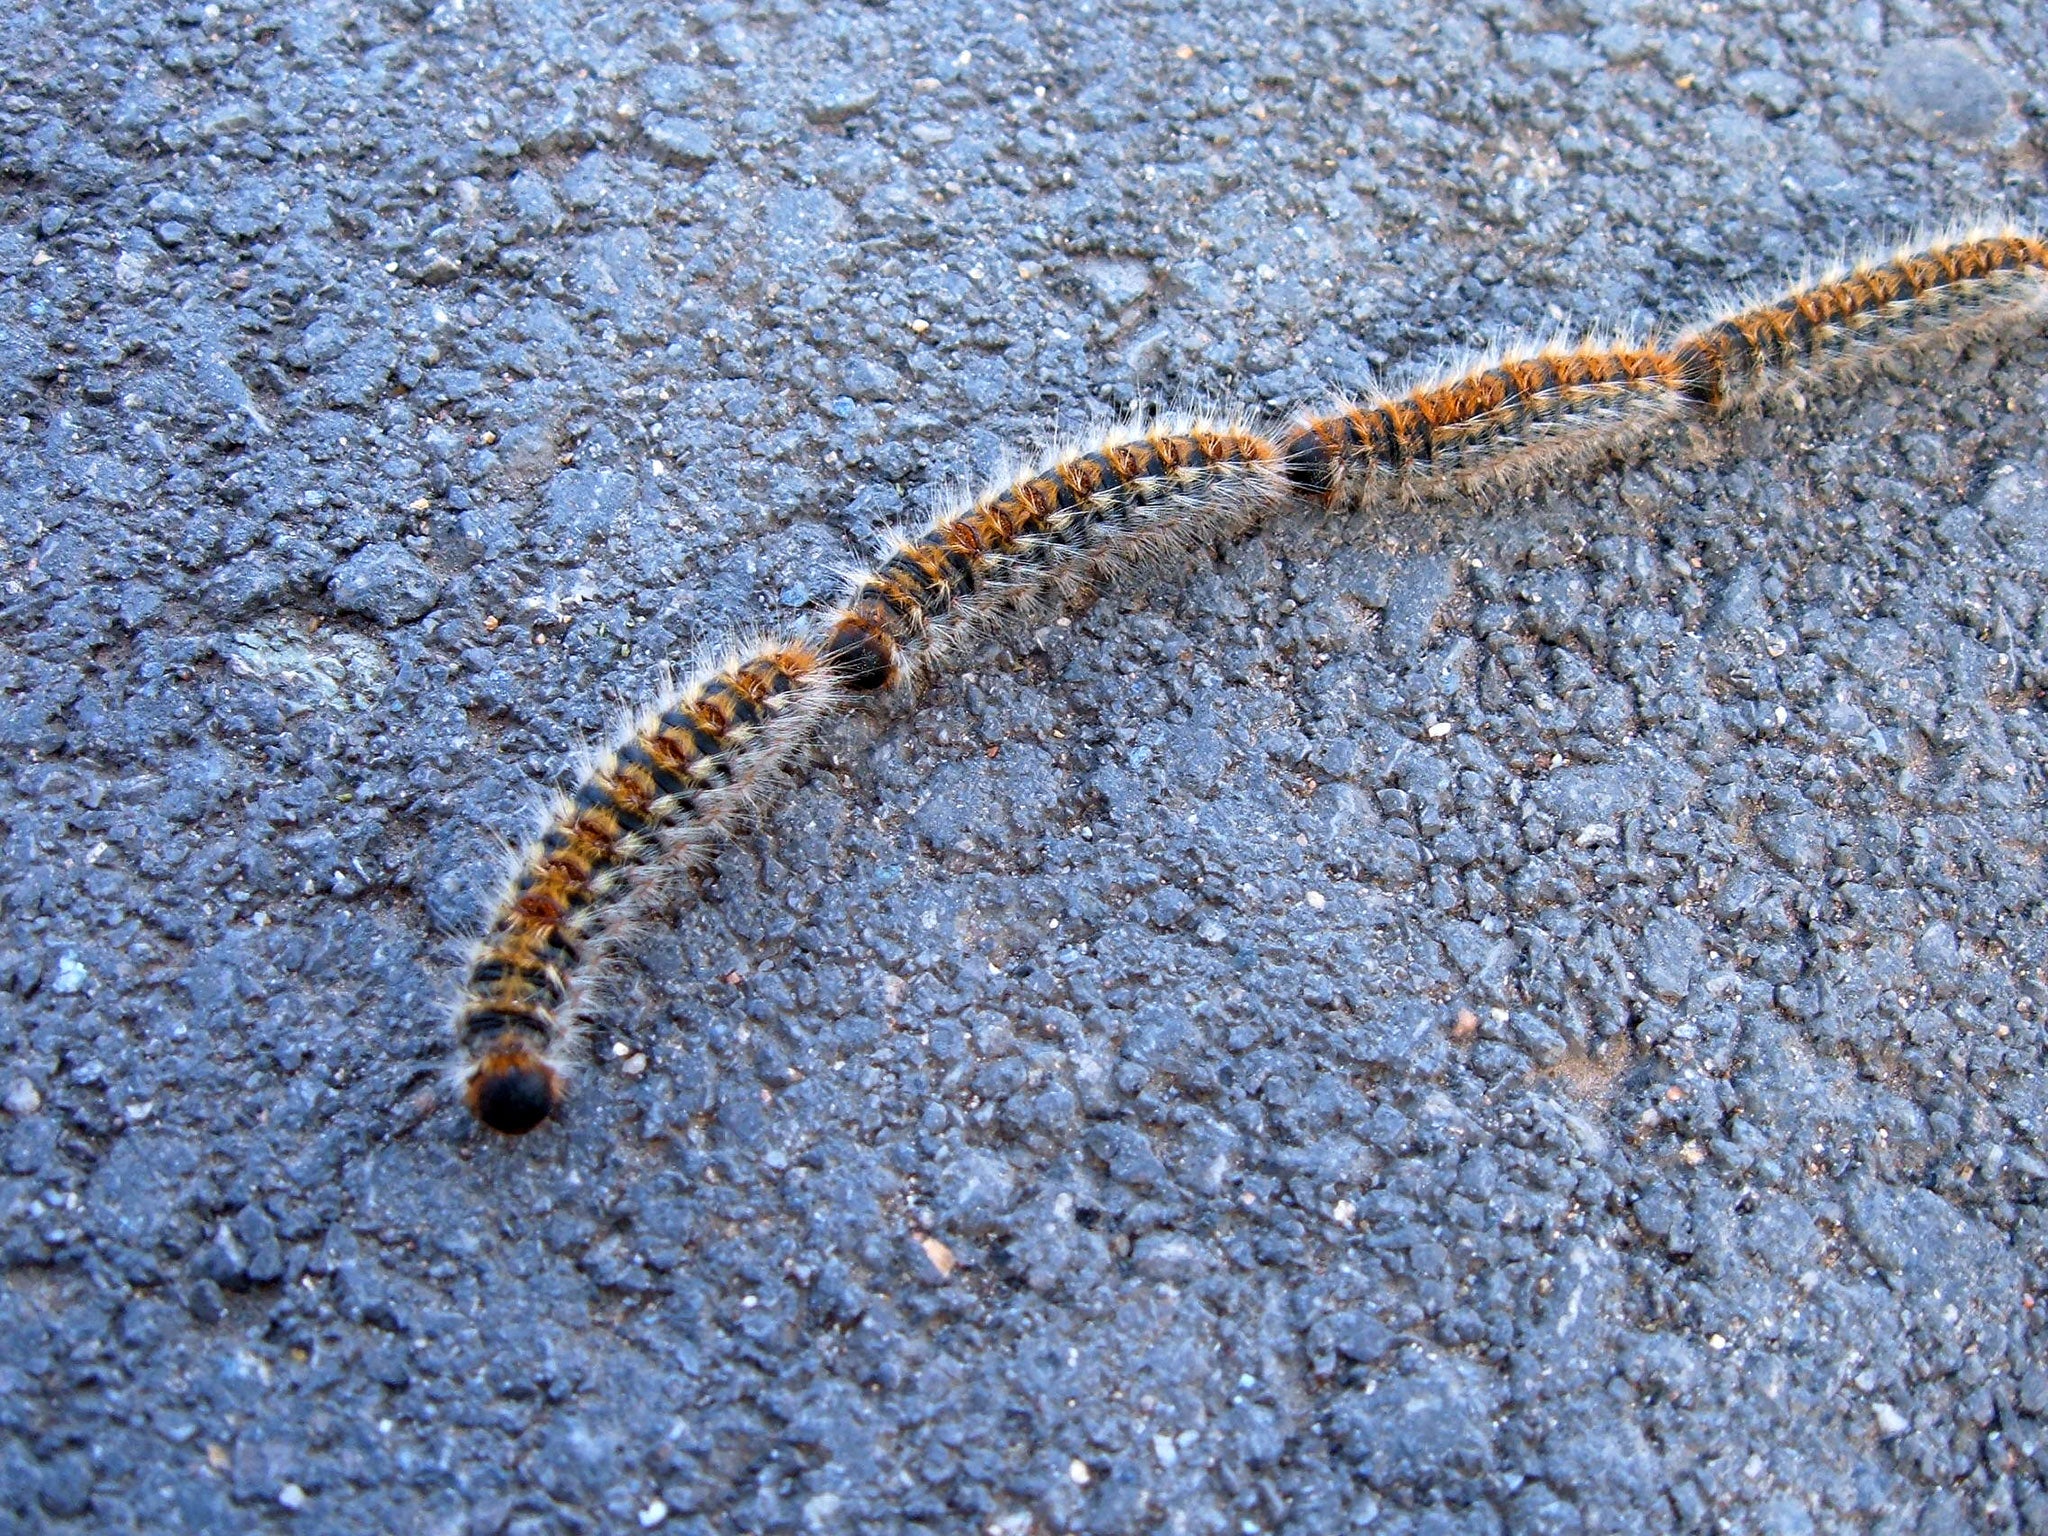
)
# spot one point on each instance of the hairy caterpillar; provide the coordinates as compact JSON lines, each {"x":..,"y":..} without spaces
{"x":702,"y":756}
{"x":680,"y":775}
{"x":1079,"y":513}
{"x":1537,"y":408}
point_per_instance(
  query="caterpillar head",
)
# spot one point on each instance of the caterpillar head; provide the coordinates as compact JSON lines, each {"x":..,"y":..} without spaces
{"x":861,"y":651}
{"x":513,"y":1088}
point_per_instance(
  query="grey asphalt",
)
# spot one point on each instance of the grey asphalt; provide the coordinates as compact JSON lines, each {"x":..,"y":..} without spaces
{"x":1507,"y":1018}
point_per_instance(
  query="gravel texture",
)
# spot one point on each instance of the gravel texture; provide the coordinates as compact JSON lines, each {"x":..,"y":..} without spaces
{"x":1517,"y":1019}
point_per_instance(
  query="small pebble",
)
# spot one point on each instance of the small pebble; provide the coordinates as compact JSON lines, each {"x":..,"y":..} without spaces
{"x":834,"y":101}
{"x":435,"y":269}
{"x":22,"y":1097}
{"x":940,"y":1255}
{"x":1940,"y":87}
{"x":678,"y":141}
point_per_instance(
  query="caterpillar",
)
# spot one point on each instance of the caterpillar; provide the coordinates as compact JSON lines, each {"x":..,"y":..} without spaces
{"x":1537,"y":408}
{"x":1078,"y":513}
{"x":661,"y":798}
{"x":681,"y":774}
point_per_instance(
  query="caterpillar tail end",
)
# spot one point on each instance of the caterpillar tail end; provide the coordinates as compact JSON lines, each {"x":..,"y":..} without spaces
{"x":512,"y":1090}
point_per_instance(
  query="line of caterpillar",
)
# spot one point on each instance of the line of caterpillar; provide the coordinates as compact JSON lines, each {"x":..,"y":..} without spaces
{"x":702,"y":757}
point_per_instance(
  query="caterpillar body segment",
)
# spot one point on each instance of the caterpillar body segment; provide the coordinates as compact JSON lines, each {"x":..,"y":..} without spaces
{"x":1083,"y":510}
{"x":655,"y":802}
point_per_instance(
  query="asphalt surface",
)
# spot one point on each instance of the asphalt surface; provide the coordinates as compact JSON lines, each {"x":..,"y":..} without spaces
{"x":1522,"y":1018}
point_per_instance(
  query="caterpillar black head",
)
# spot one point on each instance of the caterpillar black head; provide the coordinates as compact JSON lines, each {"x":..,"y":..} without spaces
{"x":513,"y":1089}
{"x":861,"y":652}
